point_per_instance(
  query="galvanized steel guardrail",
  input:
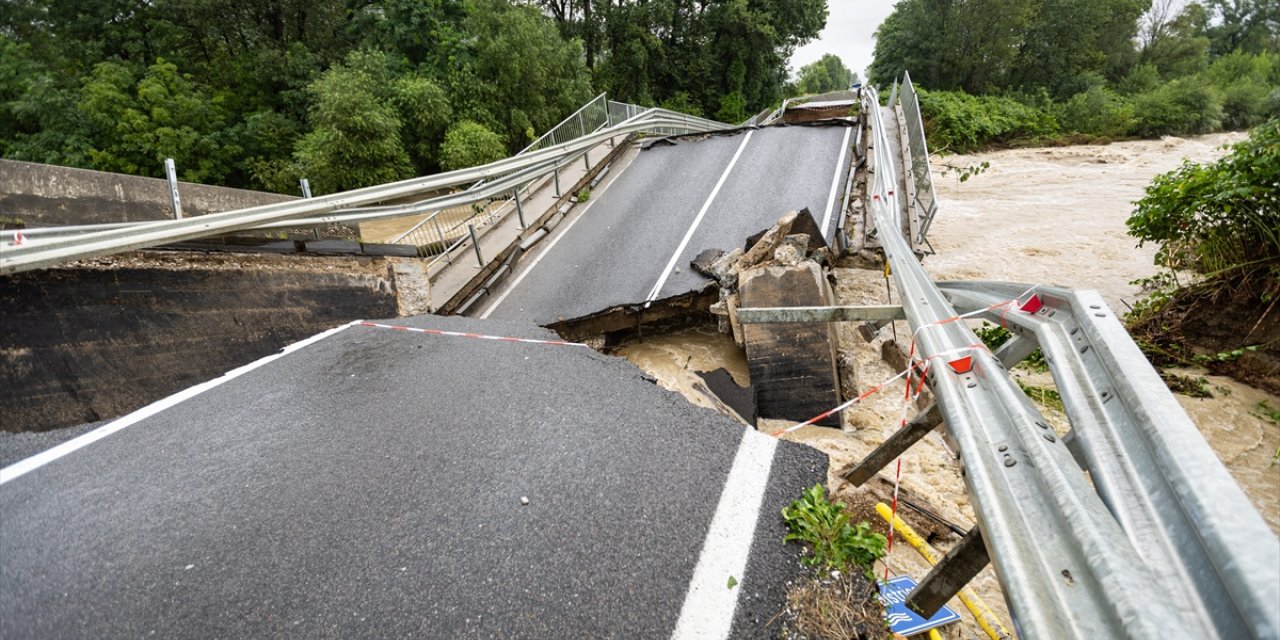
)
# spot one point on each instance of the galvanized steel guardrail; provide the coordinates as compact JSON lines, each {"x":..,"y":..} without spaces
{"x":45,"y":249}
{"x":1070,"y":566}
{"x":925,"y":200}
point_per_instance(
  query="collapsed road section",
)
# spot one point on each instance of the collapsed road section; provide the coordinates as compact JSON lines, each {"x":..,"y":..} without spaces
{"x":633,"y":245}
{"x":407,"y":477}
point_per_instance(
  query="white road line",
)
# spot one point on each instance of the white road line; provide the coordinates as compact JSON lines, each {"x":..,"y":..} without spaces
{"x":546,"y":250}
{"x":666,"y":272}
{"x":40,"y":459}
{"x":709,"y":603}
{"x":835,"y":183}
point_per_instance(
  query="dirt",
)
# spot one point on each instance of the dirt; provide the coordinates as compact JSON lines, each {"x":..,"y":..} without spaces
{"x":1231,"y":327}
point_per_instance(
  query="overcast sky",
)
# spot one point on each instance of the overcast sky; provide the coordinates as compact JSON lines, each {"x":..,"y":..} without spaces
{"x":850,"y":25}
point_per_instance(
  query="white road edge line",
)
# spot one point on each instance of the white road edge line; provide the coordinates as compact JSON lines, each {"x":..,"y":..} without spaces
{"x":40,"y":459}
{"x":546,"y":250}
{"x":835,"y":184}
{"x":666,"y":272}
{"x":709,"y":603}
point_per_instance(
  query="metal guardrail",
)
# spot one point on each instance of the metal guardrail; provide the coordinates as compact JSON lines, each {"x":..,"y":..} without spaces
{"x":1071,"y":567}
{"x":1148,"y":461}
{"x":925,"y":200}
{"x":45,"y":249}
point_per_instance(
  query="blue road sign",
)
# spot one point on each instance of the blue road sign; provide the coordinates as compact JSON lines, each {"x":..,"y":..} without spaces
{"x":902,"y":620}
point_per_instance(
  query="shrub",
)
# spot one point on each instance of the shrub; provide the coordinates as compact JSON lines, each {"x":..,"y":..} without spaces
{"x":469,"y":144}
{"x":1244,"y":105}
{"x":1217,"y":216}
{"x":961,"y":122}
{"x":1098,"y":111}
{"x":1181,"y":107}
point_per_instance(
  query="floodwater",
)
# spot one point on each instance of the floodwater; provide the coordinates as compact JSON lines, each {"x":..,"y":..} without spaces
{"x":1048,"y":215}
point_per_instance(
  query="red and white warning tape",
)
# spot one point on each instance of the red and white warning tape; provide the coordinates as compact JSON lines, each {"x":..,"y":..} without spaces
{"x":478,"y":336}
{"x":911,"y":393}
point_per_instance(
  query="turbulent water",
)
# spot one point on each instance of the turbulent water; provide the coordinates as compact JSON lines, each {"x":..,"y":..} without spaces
{"x":1054,"y":216}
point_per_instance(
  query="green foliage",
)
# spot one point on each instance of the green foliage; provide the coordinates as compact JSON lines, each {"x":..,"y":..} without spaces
{"x":583,"y":196}
{"x":518,"y":74}
{"x":826,"y":74}
{"x":1181,"y":107}
{"x":356,"y":139}
{"x":1270,"y":414}
{"x":137,"y":122}
{"x":961,"y":122}
{"x":683,"y":103}
{"x":469,"y":144}
{"x":994,"y":337}
{"x":1098,"y":111}
{"x":1217,"y":216}
{"x":825,"y":528}
{"x":733,"y":108}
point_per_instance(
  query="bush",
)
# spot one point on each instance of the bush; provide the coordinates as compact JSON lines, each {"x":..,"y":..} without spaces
{"x":1181,"y":107}
{"x":1217,"y":216}
{"x":960,"y":122}
{"x":470,"y":144}
{"x":1098,"y":112}
{"x":1244,"y":105}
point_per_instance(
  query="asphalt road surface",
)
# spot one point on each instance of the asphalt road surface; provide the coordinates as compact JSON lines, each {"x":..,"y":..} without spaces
{"x":369,"y":483}
{"x":634,"y":242}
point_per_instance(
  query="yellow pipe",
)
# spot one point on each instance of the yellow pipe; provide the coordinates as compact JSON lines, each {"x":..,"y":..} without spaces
{"x":986,"y":619}
{"x":934,"y":635}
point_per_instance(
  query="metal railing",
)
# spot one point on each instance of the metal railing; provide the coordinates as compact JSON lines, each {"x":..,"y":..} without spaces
{"x":1070,"y":554}
{"x":925,"y":200}
{"x":495,"y":180}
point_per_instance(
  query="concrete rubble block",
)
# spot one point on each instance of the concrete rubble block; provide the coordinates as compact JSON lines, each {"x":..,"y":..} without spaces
{"x":725,"y":269}
{"x":762,"y":248}
{"x":793,"y":366}
{"x":703,"y":262}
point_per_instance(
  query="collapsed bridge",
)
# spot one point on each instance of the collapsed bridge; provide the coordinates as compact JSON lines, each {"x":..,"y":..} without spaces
{"x":1125,"y":524}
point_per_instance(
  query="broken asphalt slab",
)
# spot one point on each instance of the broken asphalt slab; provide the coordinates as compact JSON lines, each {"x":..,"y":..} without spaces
{"x":370,"y":484}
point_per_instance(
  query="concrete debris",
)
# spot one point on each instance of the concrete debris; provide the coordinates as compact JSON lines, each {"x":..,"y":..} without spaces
{"x":703,"y":262}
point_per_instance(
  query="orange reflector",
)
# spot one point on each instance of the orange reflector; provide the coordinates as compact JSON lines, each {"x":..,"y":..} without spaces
{"x":962,"y":365}
{"x":1032,"y":304}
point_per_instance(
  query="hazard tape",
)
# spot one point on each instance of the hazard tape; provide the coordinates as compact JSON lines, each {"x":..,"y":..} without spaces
{"x":478,"y":336}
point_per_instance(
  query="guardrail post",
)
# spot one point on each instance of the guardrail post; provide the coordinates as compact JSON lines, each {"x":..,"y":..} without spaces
{"x":515,"y":195}
{"x":172,"y":172}
{"x":306,"y":195}
{"x":950,"y":575}
{"x":586,"y":160}
{"x":448,"y":257}
{"x":475,"y":244}
{"x":557,"y":172}
{"x":894,"y":446}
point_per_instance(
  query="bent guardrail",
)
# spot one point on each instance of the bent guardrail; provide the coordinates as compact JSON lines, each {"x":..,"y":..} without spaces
{"x":41,"y":250}
{"x":1069,"y":566}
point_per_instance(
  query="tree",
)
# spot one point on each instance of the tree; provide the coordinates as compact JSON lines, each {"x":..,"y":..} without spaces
{"x":1252,"y":26}
{"x":520,"y":77}
{"x":356,"y":139}
{"x":469,"y":144}
{"x":137,"y":122}
{"x":1070,"y":45}
{"x":1175,"y":44}
{"x":970,"y":45}
{"x":826,"y":74}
